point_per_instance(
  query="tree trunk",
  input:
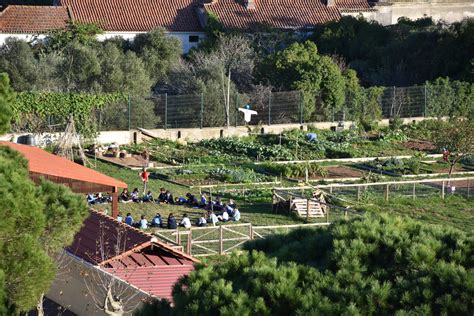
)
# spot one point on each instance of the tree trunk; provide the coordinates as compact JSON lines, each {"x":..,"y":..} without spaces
{"x":39,"y":306}
{"x":228,"y":101}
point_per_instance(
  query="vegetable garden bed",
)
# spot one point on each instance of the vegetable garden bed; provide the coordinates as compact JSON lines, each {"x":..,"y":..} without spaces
{"x":199,"y":176}
{"x":411,"y":167}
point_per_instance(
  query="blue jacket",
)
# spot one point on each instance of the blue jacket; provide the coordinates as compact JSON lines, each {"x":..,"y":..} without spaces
{"x":129,"y":220}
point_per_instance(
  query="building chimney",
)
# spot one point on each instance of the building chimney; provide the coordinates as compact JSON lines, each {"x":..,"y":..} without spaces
{"x":330,"y":3}
{"x":250,"y":4}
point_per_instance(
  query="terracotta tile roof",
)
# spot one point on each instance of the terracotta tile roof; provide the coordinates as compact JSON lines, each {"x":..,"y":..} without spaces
{"x":158,"y":281}
{"x":32,"y":19}
{"x":353,"y":4}
{"x":42,"y":163}
{"x":283,"y":14}
{"x":136,"y":15}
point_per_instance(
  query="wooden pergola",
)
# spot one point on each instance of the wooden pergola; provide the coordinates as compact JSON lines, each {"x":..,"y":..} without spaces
{"x":80,"y":179}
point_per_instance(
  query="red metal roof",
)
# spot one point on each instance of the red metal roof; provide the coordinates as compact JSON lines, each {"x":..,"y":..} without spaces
{"x":32,"y":19}
{"x":283,"y":14}
{"x":137,"y":15}
{"x":43,"y":163}
{"x":158,"y":281}
{"x":131,"y":255}
{"x":102,"y":238}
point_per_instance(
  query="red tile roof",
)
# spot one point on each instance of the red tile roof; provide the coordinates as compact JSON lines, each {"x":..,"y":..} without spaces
{"x":136,"y":15}
{"x":42,"y":163}
{"x":283,"y":14}
{"x":32,"y":19}
{"x":353,"y":4}
{"x":158,"y":281}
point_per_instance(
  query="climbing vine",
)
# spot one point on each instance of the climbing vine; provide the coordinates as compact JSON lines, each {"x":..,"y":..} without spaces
{"x":36,"y":112}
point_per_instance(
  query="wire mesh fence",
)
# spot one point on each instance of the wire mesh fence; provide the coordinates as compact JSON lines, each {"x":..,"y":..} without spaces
{"x":213,"y":110}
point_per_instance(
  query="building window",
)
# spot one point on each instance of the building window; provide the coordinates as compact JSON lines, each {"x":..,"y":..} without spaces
{"x":193,"y":38}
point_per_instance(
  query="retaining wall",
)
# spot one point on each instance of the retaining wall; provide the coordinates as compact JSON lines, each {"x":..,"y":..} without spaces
{"x":193,"y":134}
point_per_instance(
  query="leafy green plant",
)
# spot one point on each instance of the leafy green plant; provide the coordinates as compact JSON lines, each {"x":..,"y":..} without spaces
{"x":295,"y":170}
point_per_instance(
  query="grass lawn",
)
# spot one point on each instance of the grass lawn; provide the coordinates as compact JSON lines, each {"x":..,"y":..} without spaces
{"x":454,"y":210}
{"x":251,"y":212}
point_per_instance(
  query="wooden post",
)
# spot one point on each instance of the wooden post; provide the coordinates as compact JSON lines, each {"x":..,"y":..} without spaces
{"x":114,"y":203}
{"x":327,"y":214}
{"x":386,"y":192}
{"x":189,"y":244}
{"x":358,"y":193}
{"x":306,"y":175}
{"x":221,"y":241}
{"x":307,"y":210}
{"x":330,"y":189}
{"x":414,"y":190}
{"x":442,"y":190}
{"x":251,"y":231}
{"x":345,"y":214}
{"x":179,"y":237}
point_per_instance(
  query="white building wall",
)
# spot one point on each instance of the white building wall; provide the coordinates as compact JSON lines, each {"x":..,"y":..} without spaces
{"x":184,"y":37}
{"x":448,"y":12}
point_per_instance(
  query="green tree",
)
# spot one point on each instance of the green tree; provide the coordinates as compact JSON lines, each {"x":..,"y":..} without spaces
{"x":18,"y":61}
{"x":74,"y":32}
{"x":7,"y":97}
{"x":300,"y":67}
{"x":37,"y":222}
{"x":158,"y":52}
{"x":373,"y":265}
{"x":457,"y":136}
{"x":81,"y":67}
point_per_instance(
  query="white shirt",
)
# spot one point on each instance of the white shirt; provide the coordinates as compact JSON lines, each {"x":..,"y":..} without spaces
{"x":186,"y":222}
{"x":225,"y":216}
{"x":143,"y":223}
{"x":236,"y":215}
{"x":213,"y":218}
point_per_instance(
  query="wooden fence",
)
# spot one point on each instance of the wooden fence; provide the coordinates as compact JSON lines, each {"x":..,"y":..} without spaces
{"x":412,"y":188}
{"x":222,"y":239}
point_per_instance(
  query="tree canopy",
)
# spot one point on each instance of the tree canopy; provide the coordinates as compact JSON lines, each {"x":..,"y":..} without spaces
{"x":373,"y":265}
{"x":37,"y":222}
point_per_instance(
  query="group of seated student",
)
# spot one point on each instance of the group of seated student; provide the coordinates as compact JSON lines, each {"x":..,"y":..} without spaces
{"x":165,"y":197}
{"x":97,"y":198}
{"x":142,"y":223}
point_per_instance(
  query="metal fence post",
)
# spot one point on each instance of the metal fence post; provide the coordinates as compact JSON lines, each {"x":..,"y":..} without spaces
{"x":468,"y":187}
{"x":221,"y":241}
{"x":301,"y":107}
{"x":166,"y":110}
{"x":236,"y":108}
{"x":202,"y":109}
{"x":129,"y":112}
{"x":269,"y":109}
{"x":424,"y":108}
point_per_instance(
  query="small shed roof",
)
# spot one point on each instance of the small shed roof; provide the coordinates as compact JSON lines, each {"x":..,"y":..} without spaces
{"x":80,"y":179}
{"x":131,"y":254}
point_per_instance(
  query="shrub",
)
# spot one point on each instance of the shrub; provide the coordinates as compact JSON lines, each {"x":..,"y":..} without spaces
{"x":374,"y":265}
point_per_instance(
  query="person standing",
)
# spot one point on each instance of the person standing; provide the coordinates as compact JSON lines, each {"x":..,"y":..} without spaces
{"x":144,"y":176}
